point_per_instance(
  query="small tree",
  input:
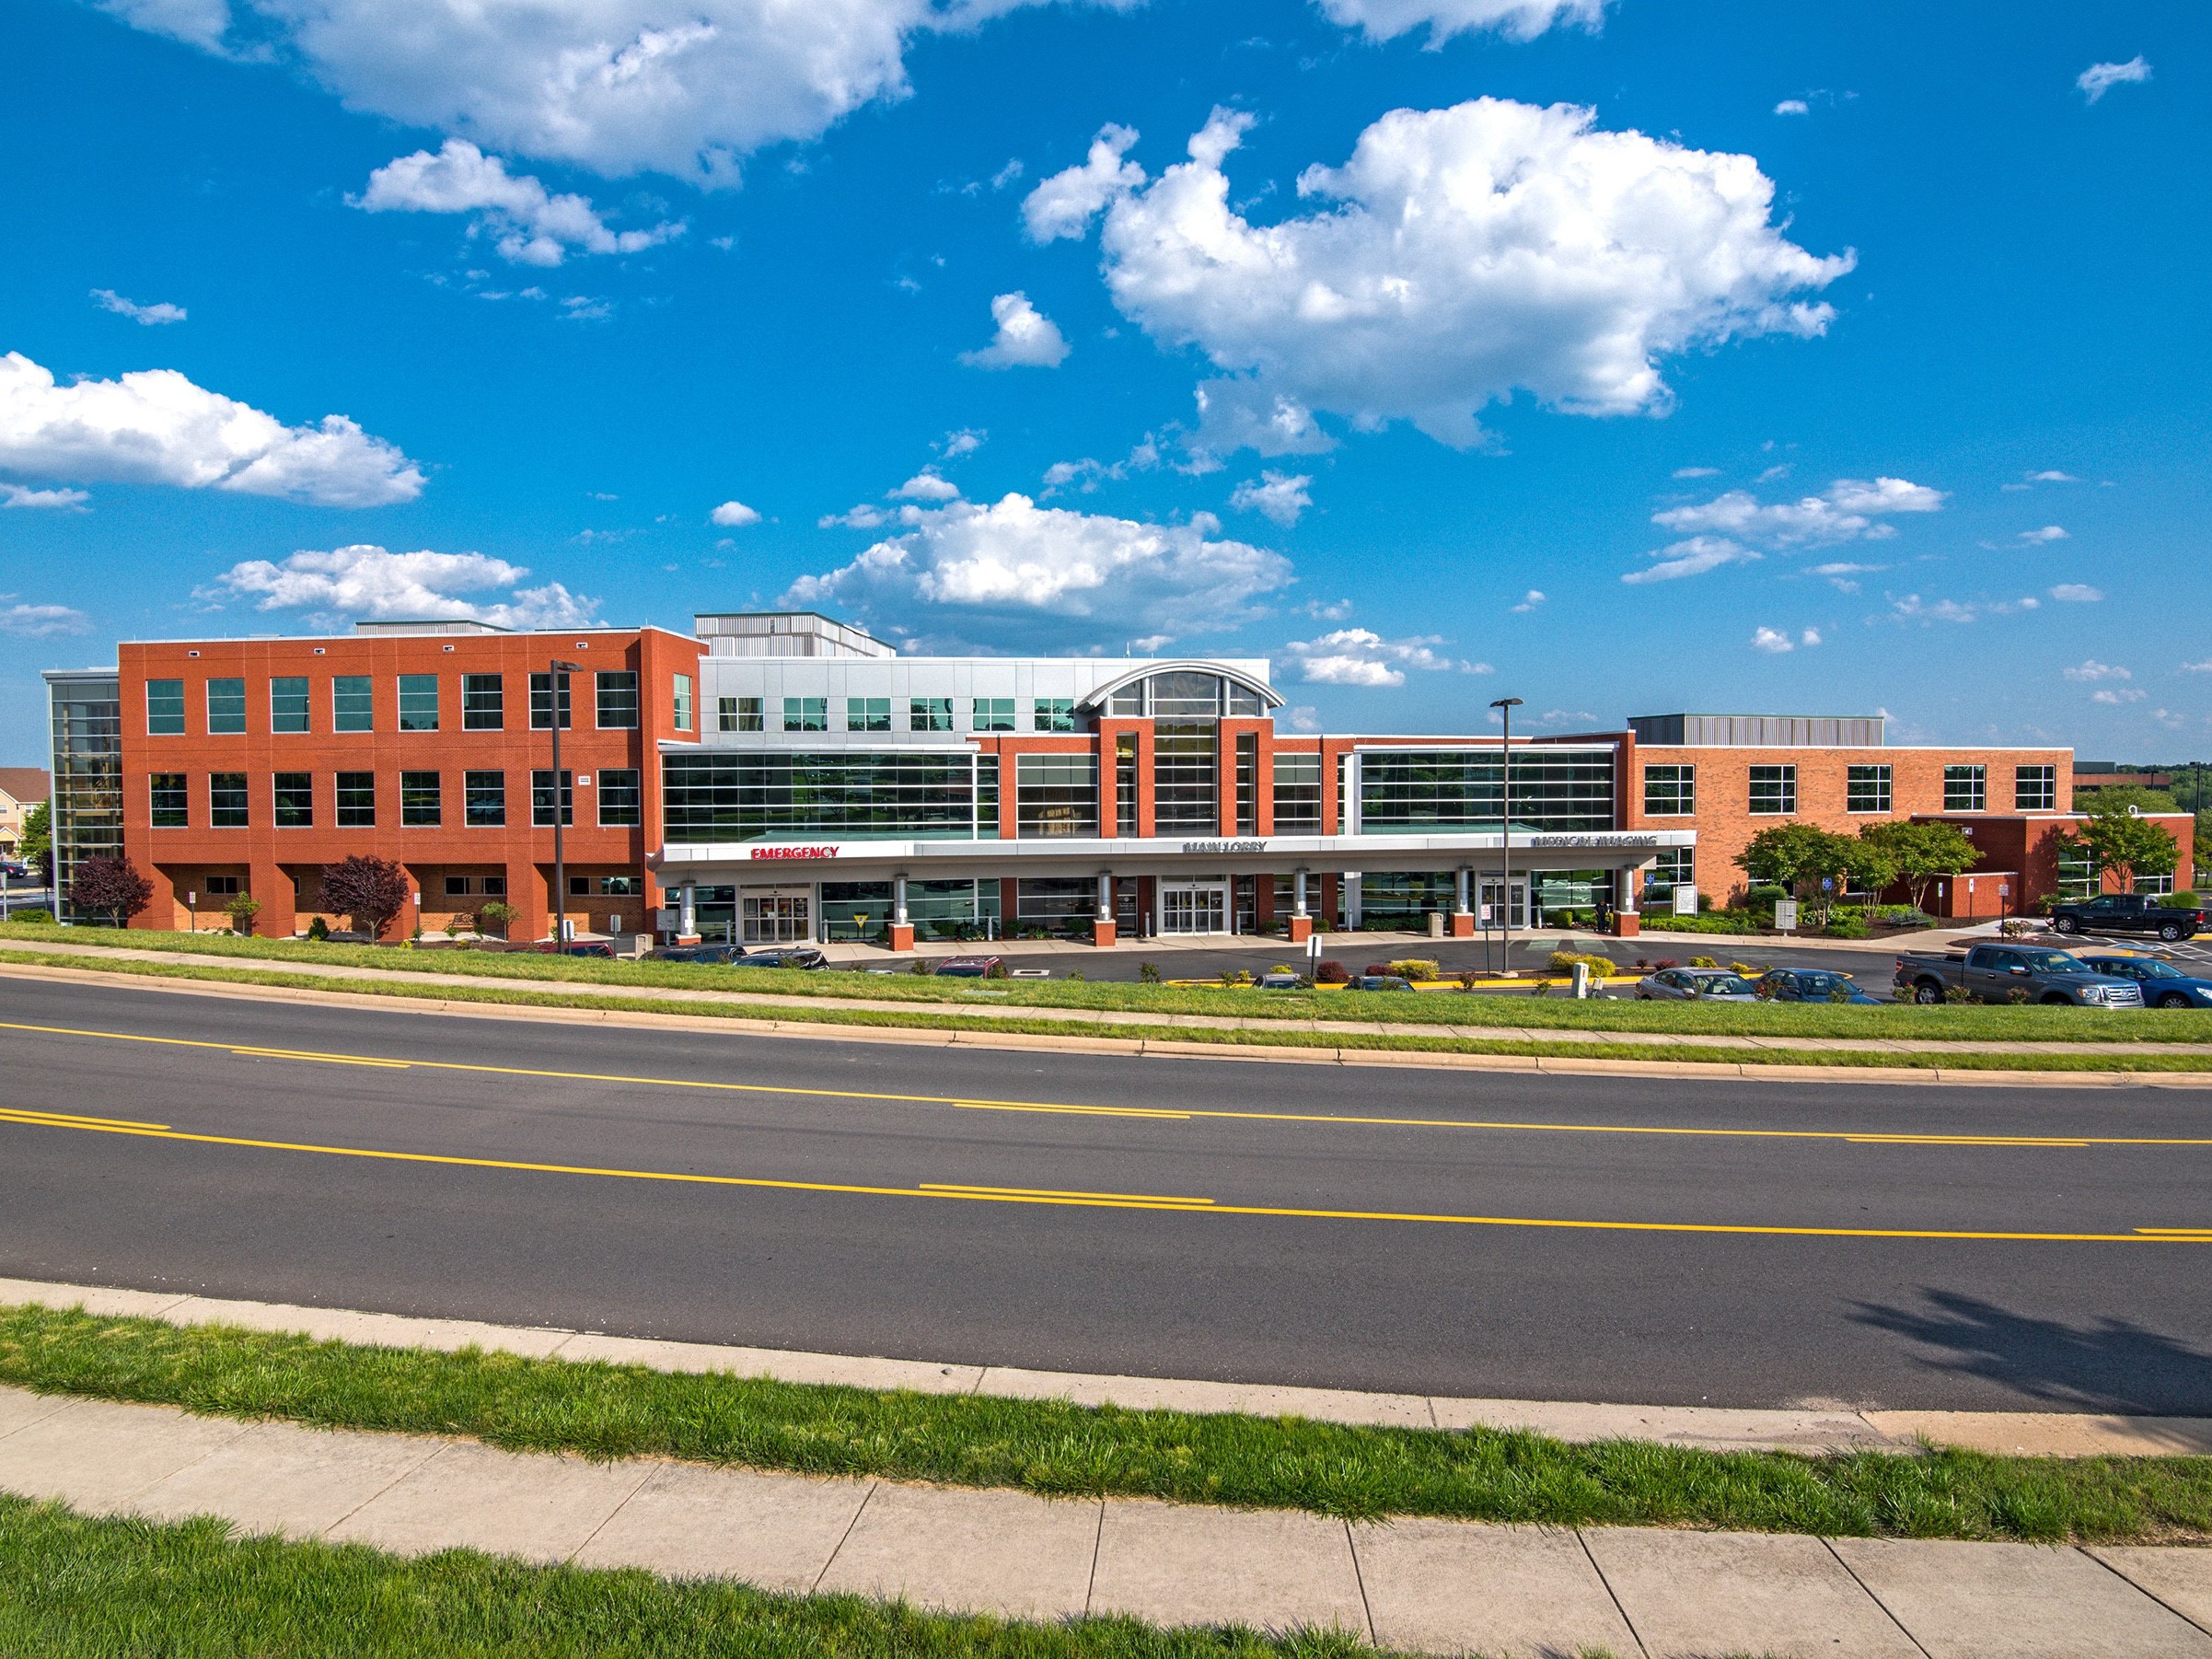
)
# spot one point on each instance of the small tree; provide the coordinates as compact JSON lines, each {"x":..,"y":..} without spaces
{"x":2127,"y":845}
{"x":496,"y":912}
{"x":241,"y":909}
{"x":370,"y":891}
{"x":1921,"y":853}
{"x":1792,"y":855}
{"x":110,"y":886}
{"x":36,"y":847}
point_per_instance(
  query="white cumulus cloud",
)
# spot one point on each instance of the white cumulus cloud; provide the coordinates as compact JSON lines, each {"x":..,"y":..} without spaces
{"x":1691,"y":557}
{"x":1012,"y":574}
{"x":2049,"y":532}
{"x":2077,"y":593}
{"x":1793,"y":106}
{"x":2092,"y":670}
{"x":1529,"y":601}
{"x":369,"y":583}
{"x":151,"y":316}
{"x":1849,"y":509}
{"x":1516,"y":19}
{"x":2100,"y":78}
{"x":2123,"y":694}
{"x":41,"y":621}
{"x":1065,"y":203}
{"x":154,"y":426}
{"x":1459,"y":256}
{"x":1775,"y":641}
{"x":1026,"y":338}
{"x":531,"y":225}
{"x":1360,"y":657}
{"x":1281,"y":496}
{"x":927,"y":486}
{"x":733,"y":514}
{"x":17,"y":495}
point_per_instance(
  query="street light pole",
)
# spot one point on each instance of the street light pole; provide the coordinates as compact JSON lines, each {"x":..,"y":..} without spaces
{"x":1505,"y":707}
{"x":558,"y":680}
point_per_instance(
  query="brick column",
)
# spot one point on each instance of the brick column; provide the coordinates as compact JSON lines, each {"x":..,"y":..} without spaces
{"x":272,"y":883}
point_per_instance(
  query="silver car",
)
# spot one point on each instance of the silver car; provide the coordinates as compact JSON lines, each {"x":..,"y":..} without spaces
{"x":1694,"y":985}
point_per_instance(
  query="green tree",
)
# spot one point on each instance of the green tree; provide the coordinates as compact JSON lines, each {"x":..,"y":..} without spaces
{"x":1788,"y":854}
{"x":110,"y":886}
{"x":1922,"y":853}
{"x":36,"y":847}
{"x":2119,"y":797}
{"x":2125,"y":844}
{"x":1868,"y":867}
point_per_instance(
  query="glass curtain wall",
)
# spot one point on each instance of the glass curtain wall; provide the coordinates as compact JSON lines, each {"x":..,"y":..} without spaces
{"x":1056,"y":795}
{"x":1415,"y":792}
{"x":87,"y":778}
{"x":1187,"y":797}
{"x":711,"y":798}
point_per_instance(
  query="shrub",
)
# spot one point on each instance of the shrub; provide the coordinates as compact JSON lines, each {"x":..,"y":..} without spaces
{"x":1745,"y":968}
{"x":2186,"y":899}
{"x":110,"y":886}
{"x":496,"y":912}
{"x":1147,"y":973}
{"x":32,"y":915}
{"x":1848,"y":927}
{"x":1283,"y":967}
{"x":1235,"y":977}
{"x":241,"y":909}
{"x":318,"y":929}
{"x":1762,"y":894}
{"x":1703,"y":962}
{"x":1665,"y":963}
{"x":1565,"y":962}
{"x":1416,"y":968}
{"x":1329,"y":971}
{"x":1903,"y":915}
{"x":370,"y":890}
{"x":1469,"y":978}
{"x":1957,"y":994}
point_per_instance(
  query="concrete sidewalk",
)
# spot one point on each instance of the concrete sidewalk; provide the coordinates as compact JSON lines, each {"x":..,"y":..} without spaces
{"x":1431,"y":1587}
{"x":1709,"y":1428}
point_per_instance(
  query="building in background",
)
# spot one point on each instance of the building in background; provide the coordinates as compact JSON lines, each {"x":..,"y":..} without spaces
{"x":22,"y":788}
{"x":780,"y":777}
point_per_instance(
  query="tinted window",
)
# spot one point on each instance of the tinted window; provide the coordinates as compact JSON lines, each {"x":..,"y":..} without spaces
{"x":352,"y":703}
{"x":165,"y":708}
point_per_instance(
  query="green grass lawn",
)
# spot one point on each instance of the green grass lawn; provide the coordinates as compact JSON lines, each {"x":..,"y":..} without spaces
{"x":609,"y":1411}
{"x":1958,"y":1024}
{"x":75,"y":1587}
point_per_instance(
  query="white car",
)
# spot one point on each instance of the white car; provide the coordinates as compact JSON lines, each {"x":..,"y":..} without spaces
{"x":1694,"y":985}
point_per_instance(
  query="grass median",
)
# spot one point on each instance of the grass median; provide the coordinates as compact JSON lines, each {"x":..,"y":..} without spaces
{"x":1456,"y":1008}
{"x":1050,"y":1447}
{"x":79,"y":1587}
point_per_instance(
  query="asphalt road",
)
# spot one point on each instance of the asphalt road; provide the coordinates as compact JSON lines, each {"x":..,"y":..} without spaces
{"x":1088,"y":1213}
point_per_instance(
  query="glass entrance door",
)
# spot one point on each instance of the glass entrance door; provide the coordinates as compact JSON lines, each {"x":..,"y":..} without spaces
{"x":1194,"y":907}
{"x":1490,"y":907}
{"x":776,"y":915}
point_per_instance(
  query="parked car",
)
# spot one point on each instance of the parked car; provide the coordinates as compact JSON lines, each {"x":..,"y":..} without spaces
{"x":970,"y":968}
{"x":715,"y":954}
{"x":577,"y":947}
{"x":1809,"y":985}
{"x":2128,"y":913}
{"x":783,"y":955}
{"x":1280,"y":980}
{"x":1694,"y":984}
{"x":15,"y":869}
{"x":1378,"y":981}
{"x":2164,"y":985}
{"x":2007,"y":973}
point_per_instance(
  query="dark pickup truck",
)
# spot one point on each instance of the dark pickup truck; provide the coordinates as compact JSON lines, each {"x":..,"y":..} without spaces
{"x":2010,"y":973}
{"x":2128,"y":913}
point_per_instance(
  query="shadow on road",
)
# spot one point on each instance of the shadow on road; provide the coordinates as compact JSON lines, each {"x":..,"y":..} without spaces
{"x":2112,"y":1366}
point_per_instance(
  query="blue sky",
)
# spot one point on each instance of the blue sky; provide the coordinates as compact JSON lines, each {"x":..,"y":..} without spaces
{"x":1808,"y":358}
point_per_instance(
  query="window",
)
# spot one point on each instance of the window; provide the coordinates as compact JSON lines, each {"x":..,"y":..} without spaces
{"x":421,"y":803}
{"x":987,"y":798}
{"x":806,"y":713}
{"x":483,"y":703}
{"x":742,"y":795}
{"x":1773,"y":791}
{"x":1670,"y":790}
{"x":1185,"y":696}
{"x":165,"y":708}
{"x":172,"y":807}
{"x":1129,"y":699}
{"x":1867,"y":789}
{"x":993,"y":715}
{"x":1297,"y":794}
{"x":617,"y":699}
{"x":221,"y":886}
{"x":294,"y":794}
{"x":929,"y":714}
{"x":541,"y":798}
{"x":495,"y":887}
{"x":2077,"y":874}
{"x":353,"y":704}
{"x":457,"y":887}
{"x":288,"y":703}
{"x":867,"y":714}
{"x":1124,"y":783}
{"x":357,"y":800}
{"x":1242,"y":703}
{"x":606,"y":887}
{"x":621,"y":797}
{"x":1185,"y":776}
{"x":1965,"y":788}
{"x":1056,"y":795}
{"x":1419,"y":792}
{"x":542,"y":702}
{"x":226,"y":800}
{"x":2035,"y":789}
{"x":683,"y":702}
{"x":1061,"y":903}
{"x":1674,"y":866}
{"x":742,"y":715}
{"x":418,"y":702}
{"x":226,"y":708}
{"x":484,"y":797}
{"x":1247,"y":782}
{"x":1054,"y":713}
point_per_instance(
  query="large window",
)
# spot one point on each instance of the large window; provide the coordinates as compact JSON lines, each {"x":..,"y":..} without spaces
{"x":165,"y":708}
{"x":87,"y":737}
{"x":929,"y":714}
{"x":1670,"y":790}
{"x":1058,"y":904}
{"x":1187,"y":798}
{"x":1773,"y":791}
{"x":616,"y":707}
{"x":806,"y":713}
{"x":1124,"y":783}
{"x":1867,"y":789}
{"x":1056,"y":795}
{"x":734,"y":797}
{"x":867,"y":714}
{"x":541,"y":798}
{"x":226,"y":708}
{"x":483,"y":703}
{"x":485,"y":794}
{"x":172,"y":801}
{"x":2035,"y":789}
{"x":292,"y":796}
{"x":226,"y":800}
{"x":288,"y":703}
{"x":541,"y":701}
{"x":353,"y":704}
{"x":418,"y":702}
{"x":621,"y":799}
{"x":1297,"y":794}
{"x":1674,"y":866}
{"x":1416,"y":792}
{"x":357,"y":800}
{"x":993,"y":715}
{"x":421,"y":800}
{"x":1182,"y":695}
{"x":740,"y":715}
{"x":1966,"y":789}
{"x":682,"y":709}
{"x":987,"y":797}
{"x":1054,"y":713}
{"x":1247,"y":782}
{"x":2077,"y":874}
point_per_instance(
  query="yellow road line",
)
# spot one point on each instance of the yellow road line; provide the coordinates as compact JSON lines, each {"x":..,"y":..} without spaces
{"x":2178,"y":1232}
{"x":31,"y":1114}
{"x":1328,"y":1120}
{"x":1134,"y":1198}
{"x":1186,"y":1207}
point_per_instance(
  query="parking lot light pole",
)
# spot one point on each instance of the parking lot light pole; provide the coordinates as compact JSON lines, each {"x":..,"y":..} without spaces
{"x":1505,"y":707}
{"x":558,"y":684}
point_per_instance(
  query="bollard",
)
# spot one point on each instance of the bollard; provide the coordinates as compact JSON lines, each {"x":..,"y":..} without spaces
{"x":1582,"y":981}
